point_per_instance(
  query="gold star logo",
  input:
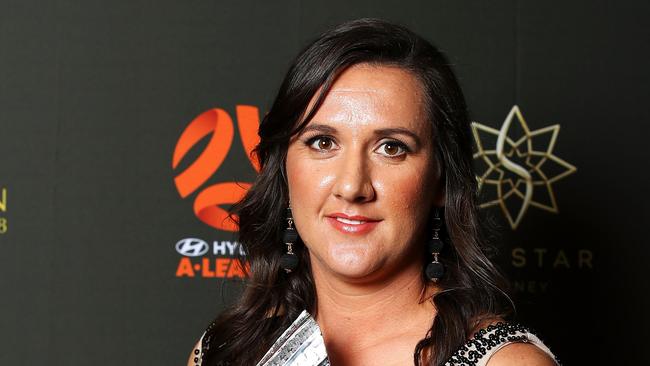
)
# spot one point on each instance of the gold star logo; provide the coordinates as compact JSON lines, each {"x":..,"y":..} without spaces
{"x":513,"y":172}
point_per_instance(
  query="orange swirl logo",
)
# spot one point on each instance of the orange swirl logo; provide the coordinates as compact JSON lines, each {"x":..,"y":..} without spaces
{"x":218,"y":123}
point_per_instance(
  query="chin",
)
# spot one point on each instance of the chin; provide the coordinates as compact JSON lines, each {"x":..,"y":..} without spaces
{"x":353,"y":264}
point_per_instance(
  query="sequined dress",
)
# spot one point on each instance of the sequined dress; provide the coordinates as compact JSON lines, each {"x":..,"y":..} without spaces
{"x":301,"y":344}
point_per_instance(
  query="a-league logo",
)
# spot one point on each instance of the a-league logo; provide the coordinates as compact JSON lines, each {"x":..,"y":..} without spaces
{"x":219,"y":124}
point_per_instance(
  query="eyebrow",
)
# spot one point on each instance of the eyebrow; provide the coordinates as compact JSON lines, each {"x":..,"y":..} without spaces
{"x":379,"y":132}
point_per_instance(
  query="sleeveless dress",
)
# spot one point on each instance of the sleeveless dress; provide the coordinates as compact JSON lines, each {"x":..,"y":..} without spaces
{"x":478,"y":350}
{"x":301,"y":344}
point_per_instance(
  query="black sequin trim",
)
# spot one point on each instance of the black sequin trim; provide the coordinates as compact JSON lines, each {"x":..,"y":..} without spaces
{"x":487,"y":338}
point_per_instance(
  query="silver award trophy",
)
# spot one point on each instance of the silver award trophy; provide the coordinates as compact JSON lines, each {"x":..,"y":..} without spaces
{"x":300,"y":345}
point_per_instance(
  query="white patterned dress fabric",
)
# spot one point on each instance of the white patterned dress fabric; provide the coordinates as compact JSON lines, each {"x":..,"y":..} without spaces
{"x":302,"y":344}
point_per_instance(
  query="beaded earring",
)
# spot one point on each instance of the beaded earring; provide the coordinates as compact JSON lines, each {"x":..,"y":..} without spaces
{"x":289,"y":261}
{"x":435,"y":270}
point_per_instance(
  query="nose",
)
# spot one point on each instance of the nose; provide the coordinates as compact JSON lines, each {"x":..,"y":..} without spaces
{"x":353,"y":181}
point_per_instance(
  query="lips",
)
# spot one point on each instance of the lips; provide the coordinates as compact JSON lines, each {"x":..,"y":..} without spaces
{"x":355,"y":224}
{"x":348,"y":221}
{"x":353,"y":217}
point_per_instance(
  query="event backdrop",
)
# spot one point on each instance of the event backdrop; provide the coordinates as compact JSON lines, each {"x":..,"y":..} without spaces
{"x":125,"y":128}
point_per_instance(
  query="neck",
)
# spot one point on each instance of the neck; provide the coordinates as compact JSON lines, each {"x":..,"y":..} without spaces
{"x":362,"y":314}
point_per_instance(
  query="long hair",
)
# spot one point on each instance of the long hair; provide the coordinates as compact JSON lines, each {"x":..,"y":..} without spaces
{"x":472,"y":288}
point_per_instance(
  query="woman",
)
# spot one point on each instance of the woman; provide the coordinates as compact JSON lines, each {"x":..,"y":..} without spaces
{"x":364,"y":214}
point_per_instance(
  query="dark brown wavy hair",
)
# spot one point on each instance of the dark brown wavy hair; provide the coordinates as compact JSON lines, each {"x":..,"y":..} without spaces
{"x":472,"y":288}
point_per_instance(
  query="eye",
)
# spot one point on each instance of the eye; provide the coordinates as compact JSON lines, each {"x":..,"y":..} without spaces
{"x":394,"y":149}
{"x":322,"y":143}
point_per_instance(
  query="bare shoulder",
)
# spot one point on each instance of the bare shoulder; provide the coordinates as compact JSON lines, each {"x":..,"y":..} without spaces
{"x":518,"y":353}
{"x":521,"y":354}
{"x":195,"y":355}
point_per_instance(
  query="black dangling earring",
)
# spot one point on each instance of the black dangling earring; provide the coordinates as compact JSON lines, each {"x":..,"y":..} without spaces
{"x":289,"y":261}
{"x":435,"y":270}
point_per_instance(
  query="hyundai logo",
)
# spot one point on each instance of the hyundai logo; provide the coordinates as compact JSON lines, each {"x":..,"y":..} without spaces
{"x":192,"y":247}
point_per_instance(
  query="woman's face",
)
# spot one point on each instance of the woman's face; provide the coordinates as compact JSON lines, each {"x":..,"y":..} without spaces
{"x":367,"y":152}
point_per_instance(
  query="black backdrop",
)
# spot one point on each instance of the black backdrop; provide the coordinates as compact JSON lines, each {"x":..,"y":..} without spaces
{"x":94,"y":97}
